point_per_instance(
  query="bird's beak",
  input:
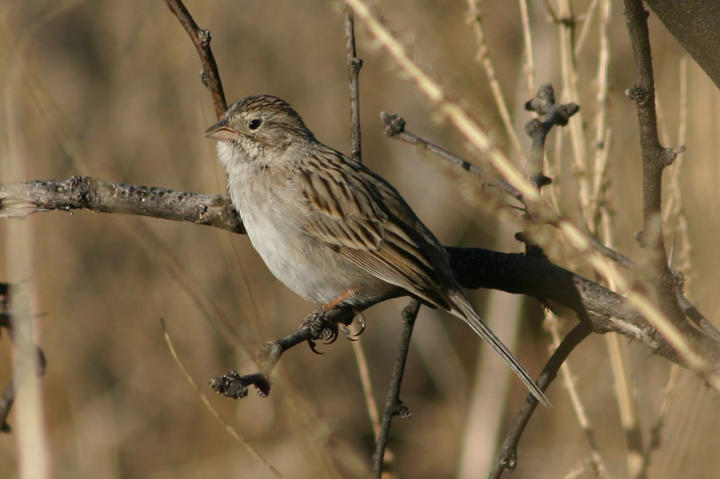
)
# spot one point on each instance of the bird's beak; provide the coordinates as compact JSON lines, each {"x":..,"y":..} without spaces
{"x":221,"y":131}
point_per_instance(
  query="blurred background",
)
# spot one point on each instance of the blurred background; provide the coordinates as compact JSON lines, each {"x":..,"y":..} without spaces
{"x":112,"y":90}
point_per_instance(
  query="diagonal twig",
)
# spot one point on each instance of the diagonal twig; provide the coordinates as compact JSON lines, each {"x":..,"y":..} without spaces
{"x":354,"y":65}
{"x":393,"y":404}
{"x":201,"y":39}
{"x":507,"y":458}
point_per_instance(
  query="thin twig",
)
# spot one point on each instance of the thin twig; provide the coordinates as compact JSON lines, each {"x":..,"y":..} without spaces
{"x":627,"y":405}
{"x":624,"y":393}
{"x":507,"y":457}
{"x":228,"y":427}
{"x":201,"y":39}
{"x":393,"y":405}
{"x":395,"y":128}
{"x":656,"y":431}
{"x":655,"y":158}
{"x":354,"y":66}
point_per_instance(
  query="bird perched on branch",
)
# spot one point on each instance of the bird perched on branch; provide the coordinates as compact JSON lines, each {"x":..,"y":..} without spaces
{"x":326,"y":226}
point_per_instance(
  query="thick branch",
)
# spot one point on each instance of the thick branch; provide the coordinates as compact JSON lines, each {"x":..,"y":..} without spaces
{"x":474,"y":267}
{"x":83,"y":192}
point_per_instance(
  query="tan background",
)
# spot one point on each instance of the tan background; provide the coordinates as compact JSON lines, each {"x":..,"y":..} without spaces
{"x":111,"y":90}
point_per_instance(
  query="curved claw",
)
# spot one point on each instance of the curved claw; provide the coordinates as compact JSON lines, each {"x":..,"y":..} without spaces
{"x":348,"y":334}
{"x":313,"y":346}
{"x":354,"y":336}
{"x":329,"y":333}
{"x":360,"y":318}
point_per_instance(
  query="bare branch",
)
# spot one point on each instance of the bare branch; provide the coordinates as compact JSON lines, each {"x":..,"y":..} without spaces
{"x":393,"y":404}
{"x":354,"y":66}
{"x":395,"y":128}
{"x":473,"y":267}
{"x":201,"y":39}
{"x":83,"y":192}
{"x":507,"y":458}
{"x":654,"y":160}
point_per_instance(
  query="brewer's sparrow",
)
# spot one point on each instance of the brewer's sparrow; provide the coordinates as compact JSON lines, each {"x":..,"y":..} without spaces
{"x":329,"y":228}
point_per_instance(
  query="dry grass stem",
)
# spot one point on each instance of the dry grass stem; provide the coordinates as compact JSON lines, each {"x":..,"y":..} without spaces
{"x":587,"y":19}
{"x":364,"y":374}
{"x":570,"y":93}
{"x":483,"y":56}
{"x":602,"y":132}
{"x":226,"y":425}
{"x":599,"y":218}
{"x":32,"y":441}
{"x":624,"y":391}
{"x":674,"y":216}
{"x":156,"y":248}
{"x":529,"y":66}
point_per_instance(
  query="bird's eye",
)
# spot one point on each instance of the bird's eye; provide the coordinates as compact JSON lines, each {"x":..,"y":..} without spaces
{"x":254,"y":124}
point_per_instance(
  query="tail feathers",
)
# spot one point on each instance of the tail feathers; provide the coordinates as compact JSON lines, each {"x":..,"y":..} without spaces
{"x":464,"y":310}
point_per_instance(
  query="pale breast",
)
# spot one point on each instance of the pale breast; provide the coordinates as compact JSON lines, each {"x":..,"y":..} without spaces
{"x":306,"y":266}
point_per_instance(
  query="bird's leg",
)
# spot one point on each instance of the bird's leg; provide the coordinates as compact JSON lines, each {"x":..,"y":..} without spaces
{"x":345,"y":295}
{"x":323,"y":329}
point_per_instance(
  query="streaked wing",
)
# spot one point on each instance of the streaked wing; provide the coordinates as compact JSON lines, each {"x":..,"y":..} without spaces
{"x":360,"y":216}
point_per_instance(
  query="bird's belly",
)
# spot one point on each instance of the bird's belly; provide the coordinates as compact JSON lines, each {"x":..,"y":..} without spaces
{"x":309,"y":268}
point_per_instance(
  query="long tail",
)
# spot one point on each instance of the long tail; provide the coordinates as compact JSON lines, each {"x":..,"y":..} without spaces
{"x":464,"y":310}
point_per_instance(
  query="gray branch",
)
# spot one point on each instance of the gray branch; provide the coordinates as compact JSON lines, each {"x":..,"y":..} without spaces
{"x":474,"y":267}
{"x":83,"y":192}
